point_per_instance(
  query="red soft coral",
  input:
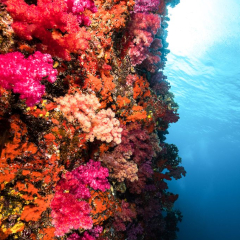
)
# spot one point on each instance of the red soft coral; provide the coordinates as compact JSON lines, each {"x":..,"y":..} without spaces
{"x":49,"y":22}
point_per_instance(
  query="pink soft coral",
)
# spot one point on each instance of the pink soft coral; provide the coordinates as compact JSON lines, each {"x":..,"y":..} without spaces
{"x":83,"y":107}
{"x":80,"y":107}
{"x":93,"y":175}
{"x":69,"y":210}
{"x":24,"y":75}
{"x":105,"y":127}
{"x":69,"y":213}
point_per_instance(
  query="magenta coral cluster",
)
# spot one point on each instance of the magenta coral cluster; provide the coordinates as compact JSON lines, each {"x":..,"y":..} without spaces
{"x":69,"y":208}
{"x":126,"y":215}
{"x":91,"y":235}
{"x":144,"y":172}
{"x":133,"y":231}
{"x":93,"y":175}
{"x":24,"y":75}
{"x":79,"y":6}
{"x":146,"y":5}
{"x":131,"y":159}
{"x":101,"y":125}
{"x":136,"y":141}
{"x":143,"y":28}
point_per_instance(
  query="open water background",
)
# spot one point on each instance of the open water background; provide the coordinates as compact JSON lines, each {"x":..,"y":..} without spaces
{"x":204,"y":71}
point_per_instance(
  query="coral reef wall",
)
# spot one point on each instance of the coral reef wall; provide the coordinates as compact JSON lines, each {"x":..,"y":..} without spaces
{"x":84,"y":109}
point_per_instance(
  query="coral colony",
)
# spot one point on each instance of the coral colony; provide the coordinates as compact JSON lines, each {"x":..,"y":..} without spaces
{"x":84,"y":110}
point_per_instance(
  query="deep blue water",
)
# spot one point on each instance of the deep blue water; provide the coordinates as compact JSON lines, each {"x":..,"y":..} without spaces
{"x":204,"y":71}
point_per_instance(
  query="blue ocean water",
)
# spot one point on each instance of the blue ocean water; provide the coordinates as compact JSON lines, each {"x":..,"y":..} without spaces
{"x":203,"y":69}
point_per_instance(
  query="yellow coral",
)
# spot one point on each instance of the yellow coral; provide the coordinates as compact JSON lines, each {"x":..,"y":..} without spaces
{"x":17,"y":227}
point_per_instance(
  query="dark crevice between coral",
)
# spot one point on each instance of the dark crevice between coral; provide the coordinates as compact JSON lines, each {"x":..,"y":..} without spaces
{"x":30,"y":2}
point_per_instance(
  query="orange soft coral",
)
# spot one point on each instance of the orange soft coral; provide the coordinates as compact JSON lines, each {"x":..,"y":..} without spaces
{"x":103,"y":85}
{"x":103,"y":206}
{"x":15,"y":148}
{"x":137,"y":114}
